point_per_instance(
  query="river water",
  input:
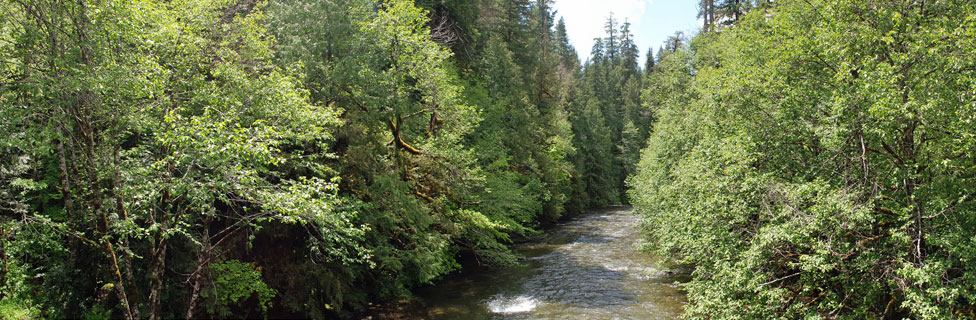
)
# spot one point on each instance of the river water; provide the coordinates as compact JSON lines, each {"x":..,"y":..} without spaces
{"x":587,"y":268}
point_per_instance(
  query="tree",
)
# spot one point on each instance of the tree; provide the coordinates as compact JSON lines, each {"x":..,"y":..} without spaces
{"x":706,"y":12}
{"x":612,"y":86}
{"x":612,"y":41}
{"x":806,"y":161}
{"x":673,"y":43}
{"x":628,"y":48}
{"x":169,"y":128}
{"x":649,"y":62}
{"x":729,"y":11}
{"x":210,"y":159}
{"x":443,"y":158}
{"x":563,"y":48}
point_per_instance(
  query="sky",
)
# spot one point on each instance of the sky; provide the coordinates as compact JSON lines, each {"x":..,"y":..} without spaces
{"x":652,"y":21}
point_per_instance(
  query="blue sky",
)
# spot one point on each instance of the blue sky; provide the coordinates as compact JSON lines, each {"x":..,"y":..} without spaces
{"x":652,"y":21}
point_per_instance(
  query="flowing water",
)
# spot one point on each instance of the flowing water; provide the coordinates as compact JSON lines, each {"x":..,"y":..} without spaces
{"x":587,"y":268}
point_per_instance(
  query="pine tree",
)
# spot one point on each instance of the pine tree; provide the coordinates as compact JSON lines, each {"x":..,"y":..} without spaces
{"x":729,"y":12}
{"x":563,"y":47}
{"x":706,"y":12}
{"x":612,"y":41}
{"x":649,"y":62}
{"x":628,"y":48}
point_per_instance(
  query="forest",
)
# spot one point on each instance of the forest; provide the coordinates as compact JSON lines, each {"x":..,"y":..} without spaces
{"x":309,"y":158}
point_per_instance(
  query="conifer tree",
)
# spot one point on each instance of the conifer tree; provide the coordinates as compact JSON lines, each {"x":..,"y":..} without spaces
{"x":649,"y":62}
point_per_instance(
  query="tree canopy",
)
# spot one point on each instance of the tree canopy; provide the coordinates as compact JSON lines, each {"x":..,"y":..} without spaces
{"x":307,"y":158}
{"x":236,"y":158}
{"x":810,"y":161}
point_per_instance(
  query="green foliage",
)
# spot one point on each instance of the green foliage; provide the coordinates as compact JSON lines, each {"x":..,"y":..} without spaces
{"x":349,"y":150}
{"x":136,"y":126}
{"x":807,"y":162}
{"x":236,"y":282}
{"x":11,"y":310}
{"x":609,"y":125}
{"x":427,"y":175}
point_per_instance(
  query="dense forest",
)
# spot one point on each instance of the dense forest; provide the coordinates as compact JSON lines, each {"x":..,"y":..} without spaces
{"x":306,"y":158}
{"x":237,"y":158}
{"x":814,"y":159}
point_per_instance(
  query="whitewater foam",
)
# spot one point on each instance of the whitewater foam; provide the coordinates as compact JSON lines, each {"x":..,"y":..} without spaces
{"x":512,"y":305}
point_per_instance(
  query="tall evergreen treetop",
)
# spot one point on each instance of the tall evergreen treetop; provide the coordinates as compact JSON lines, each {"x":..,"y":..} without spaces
{"x":629,"y":52}
{"x":564,"y":48}
{"x":612,"y":42}
{"x":649,"y":61}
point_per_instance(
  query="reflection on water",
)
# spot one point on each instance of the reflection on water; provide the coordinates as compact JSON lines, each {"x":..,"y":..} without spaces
{"x":587,"y":268}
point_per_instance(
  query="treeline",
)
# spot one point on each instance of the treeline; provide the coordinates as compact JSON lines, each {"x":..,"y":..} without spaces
{"x":814,"y":159}
{"x":240,"y":158}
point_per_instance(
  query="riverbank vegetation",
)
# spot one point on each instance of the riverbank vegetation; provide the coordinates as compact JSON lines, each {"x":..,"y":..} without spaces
{"x":814,"y":159}
{"x":241,"y":158}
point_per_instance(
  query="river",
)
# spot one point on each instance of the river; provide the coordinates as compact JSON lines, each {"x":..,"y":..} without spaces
{"x":586,"y":268}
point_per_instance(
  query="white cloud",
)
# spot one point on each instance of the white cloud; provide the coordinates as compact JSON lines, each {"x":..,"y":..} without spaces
{"x":585,"y":18}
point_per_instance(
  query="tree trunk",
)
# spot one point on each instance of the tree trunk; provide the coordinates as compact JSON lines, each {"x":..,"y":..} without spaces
{"x":158,"y":266}
{"x":735,"y":11}
{"x":65,"y":179}
{"x":96,"y":205}
{"x":158,"y":246}
{"x":124,"y":214}
{"x":709,"y":15}
{"x":203,"y":262}
{"x":3,"y":256}
{"x":84,"y":114}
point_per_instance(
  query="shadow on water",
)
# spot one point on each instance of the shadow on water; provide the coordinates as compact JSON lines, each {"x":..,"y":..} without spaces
{"x":587,"y":268}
